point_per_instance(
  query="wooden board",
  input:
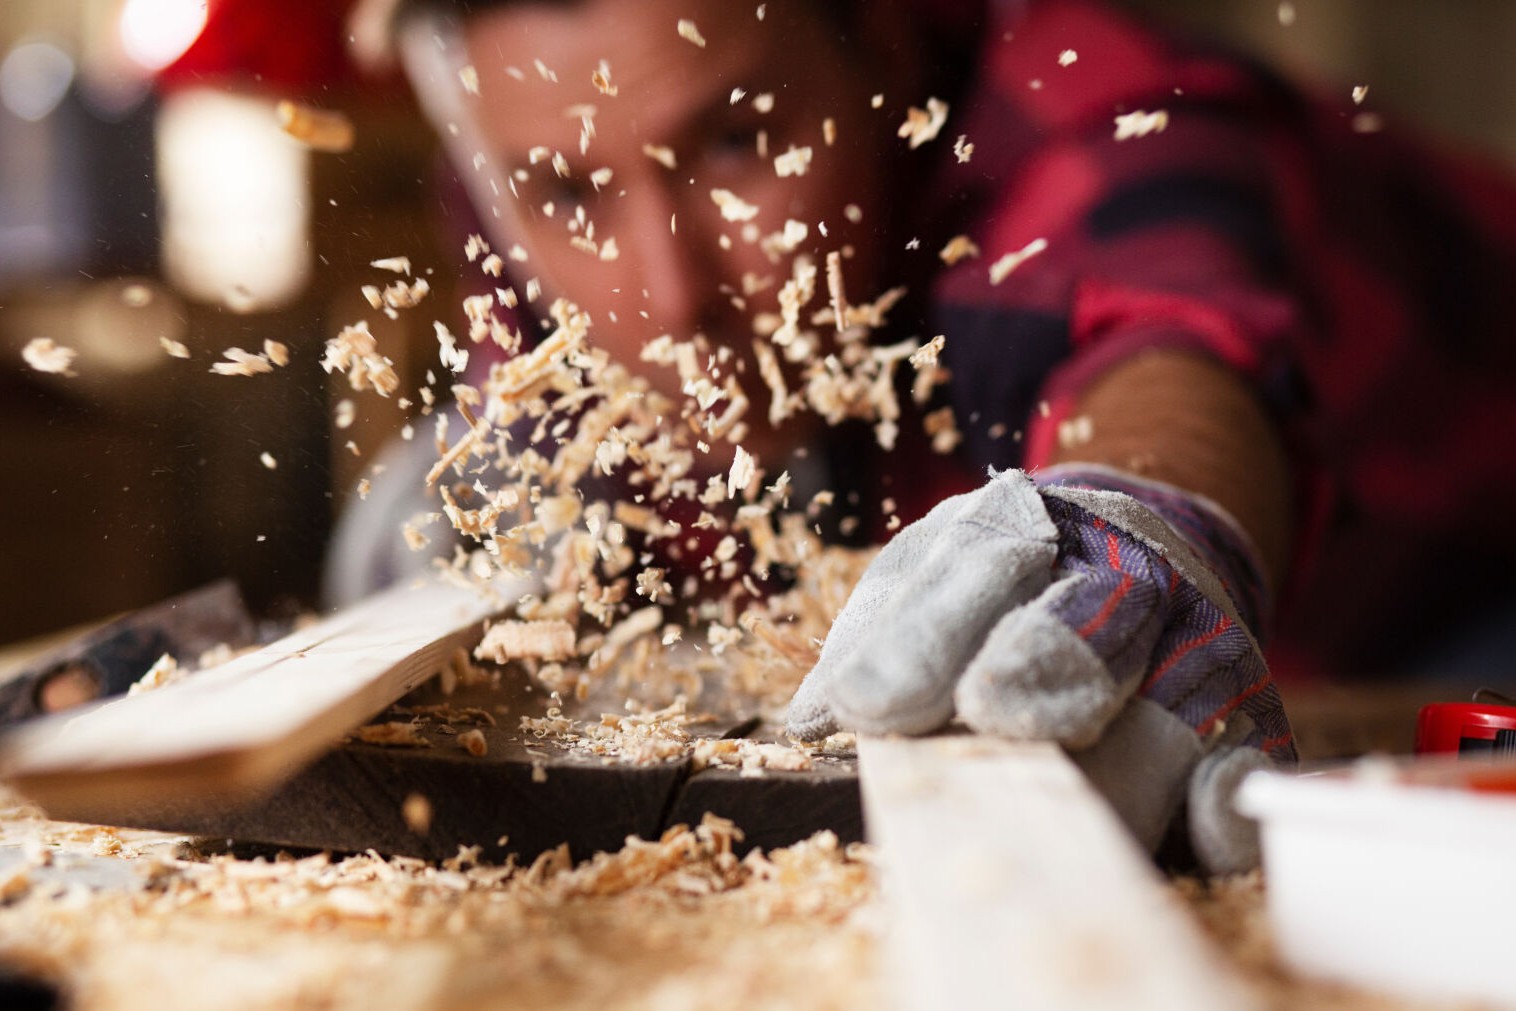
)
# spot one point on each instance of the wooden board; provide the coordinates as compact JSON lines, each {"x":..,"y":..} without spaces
{"x":1010,"y":883}
{"x":235,"y":732}
{"x":521,"y":797}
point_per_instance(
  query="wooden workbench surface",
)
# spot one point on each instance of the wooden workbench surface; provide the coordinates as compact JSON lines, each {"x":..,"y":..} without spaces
{"x":127,"y":919}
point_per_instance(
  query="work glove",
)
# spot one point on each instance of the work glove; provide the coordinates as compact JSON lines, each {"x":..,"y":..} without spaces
{"x":1088,"y":607}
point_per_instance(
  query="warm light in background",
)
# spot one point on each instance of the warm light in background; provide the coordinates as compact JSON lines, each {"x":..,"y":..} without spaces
{"x":154,"y":33}
{"x":34,"y":77}
{"x":235,"y":200}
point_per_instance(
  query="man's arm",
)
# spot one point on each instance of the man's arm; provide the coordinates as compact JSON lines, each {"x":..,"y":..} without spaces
{"x":1184,"y":419}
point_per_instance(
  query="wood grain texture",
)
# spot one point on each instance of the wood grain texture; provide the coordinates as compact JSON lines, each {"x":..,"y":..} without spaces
{"x":236,"y":731}
{"x":1011,"y":884}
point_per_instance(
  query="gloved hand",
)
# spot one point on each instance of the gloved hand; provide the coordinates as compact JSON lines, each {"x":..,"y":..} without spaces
{"x":1091,"y":608}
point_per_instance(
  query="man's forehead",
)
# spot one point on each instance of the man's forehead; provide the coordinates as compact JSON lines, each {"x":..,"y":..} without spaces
{"x":539,"y":58}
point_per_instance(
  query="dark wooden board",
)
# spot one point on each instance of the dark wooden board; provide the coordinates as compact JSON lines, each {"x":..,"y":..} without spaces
{"x":534,"y":794}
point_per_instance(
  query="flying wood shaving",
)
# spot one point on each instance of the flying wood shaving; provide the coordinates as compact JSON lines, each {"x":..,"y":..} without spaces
{"x":45,"y":355}
{"x":1140,"y":123}
{"x":835,"y":289}
{"x":459,"y":451}
{"x":1002,"y":268}
{"x":943,"y":429}
{"x":926,"y":355}
{"x":922,"y":125}
{"x":733,"y":207}
{"x":661,"y":154}
{"x":318,"y":129}
{"x":600,"y":77}
{"x":794,"y":162}
{"x":398,"y":264}
{"x":242,"y":363}
{"x":958,"y":248}
{"x":173,"y":348}
{"x":278,"y":353}
{"x":688,"y":30}
{"x":963,"y":148}
{"x":468,"y":76}
{"x":744,"y":469}
{"x":356,"y":352}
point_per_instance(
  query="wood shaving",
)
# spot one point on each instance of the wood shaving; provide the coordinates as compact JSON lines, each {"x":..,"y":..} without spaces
{"x":45,"y":355}
{"x":543,"y":640}
{"x":959,"y":247}
{"x":963,"y":148}
{"x":355,"y":352}
{"x":1067,"y":58}
{"x":398,"y":264}
{"x":319,"y":129}
{"x":794,"y":162}
{"x":277,"y":352}
{"x":941,"y":426}
{"x":688,"y":31}
{"x":394,"y":734}
{"x":733,"y":207}
{"x":926,"y":355}
{"x":416,"y":810}
{"x":242,"y":363}
{"x":1141,"y":123}
{"x":661,"y":154}
{"x":164,"y":671}
{"x":922,"y":125}
{"x":173,"y":348}
{"x":1003,"y":267}
{"x":764,"y":103}
{"x":600,"y":77}
{"x":468,"y":76}
{"x":474,"y":743}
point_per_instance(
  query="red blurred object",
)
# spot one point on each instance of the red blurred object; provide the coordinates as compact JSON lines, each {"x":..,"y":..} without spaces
{"x":1466,"y":728}
{"x":289,"y":45}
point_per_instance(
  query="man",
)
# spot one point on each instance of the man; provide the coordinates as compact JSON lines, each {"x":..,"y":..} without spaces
{"x":1176,"y":254}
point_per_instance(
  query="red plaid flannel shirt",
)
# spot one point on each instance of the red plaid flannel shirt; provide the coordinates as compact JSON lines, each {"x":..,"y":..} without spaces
{"x":1362,"y":283}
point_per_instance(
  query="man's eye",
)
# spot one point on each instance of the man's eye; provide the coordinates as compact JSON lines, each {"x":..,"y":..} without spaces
{"x":570,"y":191}
{"x":733,"y":142}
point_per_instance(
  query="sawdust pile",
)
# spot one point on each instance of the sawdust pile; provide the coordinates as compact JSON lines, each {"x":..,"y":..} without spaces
{"x":673,"y":922}
{"x":663,"y":923}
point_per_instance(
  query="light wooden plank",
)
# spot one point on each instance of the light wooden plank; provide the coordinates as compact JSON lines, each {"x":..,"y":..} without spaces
{"x":235,"y":731}
{"x":1010,"y":883}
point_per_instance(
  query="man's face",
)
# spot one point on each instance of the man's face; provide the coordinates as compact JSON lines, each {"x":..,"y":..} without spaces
{"x":674,"y":272}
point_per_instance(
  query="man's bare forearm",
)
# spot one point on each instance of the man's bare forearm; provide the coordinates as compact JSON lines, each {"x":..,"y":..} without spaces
{"x":1181,"y":418}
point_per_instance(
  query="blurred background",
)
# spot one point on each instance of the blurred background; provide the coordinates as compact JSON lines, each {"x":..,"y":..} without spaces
{"x":146,"y":192}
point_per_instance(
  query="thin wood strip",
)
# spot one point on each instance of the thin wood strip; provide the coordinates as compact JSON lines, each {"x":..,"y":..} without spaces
{"x":1010,"y":883}
{"x":240,"y":728}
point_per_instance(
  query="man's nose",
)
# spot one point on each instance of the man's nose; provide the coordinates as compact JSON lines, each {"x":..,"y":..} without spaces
{"x":674,"y":255}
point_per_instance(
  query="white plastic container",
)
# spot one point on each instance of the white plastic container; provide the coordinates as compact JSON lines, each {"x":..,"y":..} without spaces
{"x":1398,"y":876}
